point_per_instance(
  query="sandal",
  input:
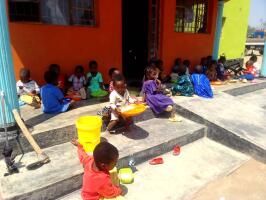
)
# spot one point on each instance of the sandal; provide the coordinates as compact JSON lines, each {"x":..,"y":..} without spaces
{"x":156,"y":161}
{"x":176,"y":150}
{"x":176,"y":119}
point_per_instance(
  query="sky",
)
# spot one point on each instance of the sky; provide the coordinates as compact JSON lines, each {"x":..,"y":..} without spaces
{"x":257,"y":12}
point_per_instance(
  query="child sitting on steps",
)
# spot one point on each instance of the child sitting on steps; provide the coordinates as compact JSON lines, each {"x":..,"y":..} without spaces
{"x":119,"y":98}
{"x":97,"y":183}
{"x":28,"y":89}
{"x":153,"y":96}
{"x":78,"y":82}
{"x":95,"y":81}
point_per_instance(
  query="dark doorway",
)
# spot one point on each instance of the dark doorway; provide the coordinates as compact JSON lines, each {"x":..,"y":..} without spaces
{"x":135,"y":37}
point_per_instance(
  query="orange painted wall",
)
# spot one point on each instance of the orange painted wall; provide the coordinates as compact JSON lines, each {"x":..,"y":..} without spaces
{"x":36,"y":46}
{"x":185,"y":45}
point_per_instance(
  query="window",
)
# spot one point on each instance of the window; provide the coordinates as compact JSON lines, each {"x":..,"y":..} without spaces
{"x":60,"y":12}
{"x":191,"y":16}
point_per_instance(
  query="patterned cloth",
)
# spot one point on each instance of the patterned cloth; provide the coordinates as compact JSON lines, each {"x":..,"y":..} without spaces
{"x":183,"y":86}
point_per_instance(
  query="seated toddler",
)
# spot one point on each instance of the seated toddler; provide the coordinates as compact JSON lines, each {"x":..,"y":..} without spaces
{"x":52,"y":97}
{"x":95,"y":81}
{"x":28,"y":89}
{"x":201,"y":83}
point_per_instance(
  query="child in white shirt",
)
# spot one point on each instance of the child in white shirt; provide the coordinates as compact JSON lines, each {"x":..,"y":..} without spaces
{"x":27,"y":89}
{"x":119,"y":98}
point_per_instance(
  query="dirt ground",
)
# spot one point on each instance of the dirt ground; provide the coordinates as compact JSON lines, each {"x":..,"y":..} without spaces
{"x":246,"y":183}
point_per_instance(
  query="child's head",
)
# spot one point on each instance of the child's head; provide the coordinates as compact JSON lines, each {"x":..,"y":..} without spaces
{"x":203,"y":61}
{"x":113,"y":72}
{"x":186,"y":63}
{"x":119,"y":84}
{"x":24,"y":75}
{"x":159,"y":64}
{"x":93,"y":66}
{"x":249,"y":63}
{"x":253,"y":58}
{"x":51,"y":77}
{"x":151,"y":73}
{"x":55,"y":68}
{"x":178,"y":61}
{"x":222,"y":59}
{"x":79,"y":71}
{"x":105,"y":156}
{"x":182,"y":70}
{"x":213,"y":65}
{"x":198,"y":69}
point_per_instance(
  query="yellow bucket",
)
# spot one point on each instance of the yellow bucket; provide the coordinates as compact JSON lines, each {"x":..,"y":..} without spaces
{"x":89,"y":129}
{"x":90,"y":146}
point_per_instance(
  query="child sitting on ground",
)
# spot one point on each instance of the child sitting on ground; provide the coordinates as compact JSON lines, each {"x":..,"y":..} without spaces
{"x":28,"y":89}
{"x":61,"y":79}
{"x":174,"y":74}
{"x":183,"y":85}
{"x":187,"y":64}
{"x":78,"y":82}
{"x":52,"y":97}
{"x":97,"y":183}
{"x":119,"y":98}
{"x":153,"y":96}
{"x":221,"y":69}
{"x":95,"y":81}
{"x":211,"y":72}
{"x":204,"y":64}
{"x":112,"y":73}
{"x":201,"y":83}
{"x":249,"y":72}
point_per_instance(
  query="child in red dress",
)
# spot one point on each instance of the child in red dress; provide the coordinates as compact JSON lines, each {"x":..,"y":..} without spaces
{"x":97,"y":183}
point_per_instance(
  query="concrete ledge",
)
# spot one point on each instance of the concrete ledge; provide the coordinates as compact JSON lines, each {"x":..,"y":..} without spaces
{"x":246,"y":89}
{"x":226,"y":137}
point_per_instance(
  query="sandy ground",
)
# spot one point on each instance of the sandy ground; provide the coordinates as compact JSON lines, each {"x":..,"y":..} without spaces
{"x":246,"y":183}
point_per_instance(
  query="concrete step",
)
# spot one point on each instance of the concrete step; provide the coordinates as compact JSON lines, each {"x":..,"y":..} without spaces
{"x":257,"y":97}
{"x":230,"y":121}
{"x":64,"y":173}
{"x":49,"y":130}
{"x":180,"y":177}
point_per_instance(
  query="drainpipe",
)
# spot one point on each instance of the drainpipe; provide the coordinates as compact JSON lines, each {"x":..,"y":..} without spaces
{"x":263,"y":67}
{"x":7,"y":77}
{"x":219,"y":23}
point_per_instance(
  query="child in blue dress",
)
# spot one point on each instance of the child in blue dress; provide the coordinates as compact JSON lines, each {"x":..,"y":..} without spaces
{"x":95,"y":81}
{"x":201,"y":83}
{"x":153,"y":96}
{"x":53,"y":101}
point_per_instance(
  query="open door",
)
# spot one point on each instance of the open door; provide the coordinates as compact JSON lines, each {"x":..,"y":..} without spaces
{"x":135,"y":37}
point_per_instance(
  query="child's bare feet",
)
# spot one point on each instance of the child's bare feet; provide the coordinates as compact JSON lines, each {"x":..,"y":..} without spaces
{"x":74,"y":142}
{"x":169,"y":108}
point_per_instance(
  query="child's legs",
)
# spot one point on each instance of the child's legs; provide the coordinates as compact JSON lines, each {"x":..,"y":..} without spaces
{"x":114,"y":120}
{"x":26,"y":98}
{"x":83,"y":93}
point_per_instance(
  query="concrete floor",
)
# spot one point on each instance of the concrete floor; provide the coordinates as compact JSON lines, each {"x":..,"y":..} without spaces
{"x":246,"y":183}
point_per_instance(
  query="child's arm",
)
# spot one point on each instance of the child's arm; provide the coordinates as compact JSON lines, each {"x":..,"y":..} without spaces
{"x":36,"y":88}
{"x":109,"y":190}
{"x":20,"y":89}
{"x":83,"y":156}
{"x":101,"y":81}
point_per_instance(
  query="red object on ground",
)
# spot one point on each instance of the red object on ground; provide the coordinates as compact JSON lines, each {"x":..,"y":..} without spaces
{"x":156,"y":161}
{"x":176,"y":151}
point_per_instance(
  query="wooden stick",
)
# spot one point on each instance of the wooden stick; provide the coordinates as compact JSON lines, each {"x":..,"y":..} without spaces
{"x":27,"y":134}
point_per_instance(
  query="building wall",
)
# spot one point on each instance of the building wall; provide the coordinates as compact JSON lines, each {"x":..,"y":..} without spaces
{"x":234,"y":32}
{"x":36,"y":46}
{"x":185,"y":45}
